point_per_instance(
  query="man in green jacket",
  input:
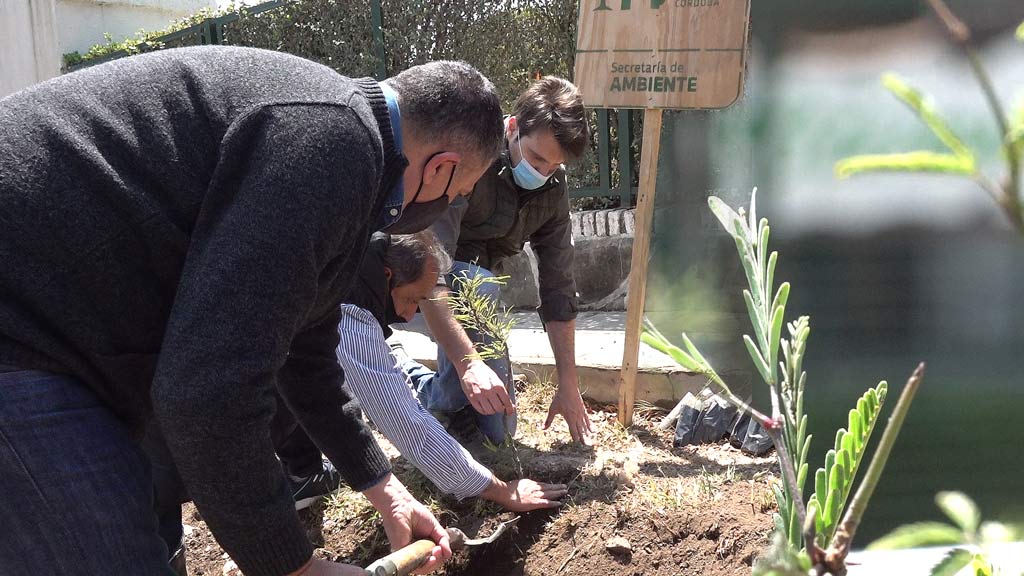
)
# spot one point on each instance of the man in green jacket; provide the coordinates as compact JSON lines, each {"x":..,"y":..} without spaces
{"x":522,"y":197}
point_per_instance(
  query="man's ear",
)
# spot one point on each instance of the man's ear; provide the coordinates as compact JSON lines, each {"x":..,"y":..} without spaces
{"x":440,"y":165}
{"x":387,"y":273}
{"x":511,"y":127}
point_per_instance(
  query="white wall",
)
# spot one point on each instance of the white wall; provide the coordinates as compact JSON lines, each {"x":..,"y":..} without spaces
{"x":34,"y":34}
{"x":82,"y":23}
{"x":28,"y":44}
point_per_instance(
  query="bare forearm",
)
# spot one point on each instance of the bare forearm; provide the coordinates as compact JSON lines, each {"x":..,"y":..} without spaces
{"x":496,"y":491}
{"x":448,"y":333}
{"x":562,"y":336}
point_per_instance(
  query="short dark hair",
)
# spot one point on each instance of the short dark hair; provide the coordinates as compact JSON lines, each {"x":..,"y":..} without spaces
{"x":452,"y":103}
{"x":408,"y":254}
{"x":554,"y":104}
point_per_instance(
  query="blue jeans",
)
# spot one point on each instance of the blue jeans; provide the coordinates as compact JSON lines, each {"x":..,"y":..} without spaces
{"x":75,"y":490}
{"x":441,"y":391}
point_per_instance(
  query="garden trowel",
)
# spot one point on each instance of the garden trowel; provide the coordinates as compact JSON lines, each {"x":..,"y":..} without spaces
{"x":404,"y":561}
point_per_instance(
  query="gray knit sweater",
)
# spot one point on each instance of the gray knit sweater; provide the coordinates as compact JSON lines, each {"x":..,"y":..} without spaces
{"x":177,"y":230}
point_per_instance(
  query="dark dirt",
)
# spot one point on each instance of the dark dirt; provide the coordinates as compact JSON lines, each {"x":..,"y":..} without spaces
{"x":695,"y":510}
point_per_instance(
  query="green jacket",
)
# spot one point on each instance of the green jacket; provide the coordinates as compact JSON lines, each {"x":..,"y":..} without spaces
{"x":497,"y":220}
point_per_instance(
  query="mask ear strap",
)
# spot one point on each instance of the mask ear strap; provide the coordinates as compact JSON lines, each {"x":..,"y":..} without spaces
{"x":449,"y":184}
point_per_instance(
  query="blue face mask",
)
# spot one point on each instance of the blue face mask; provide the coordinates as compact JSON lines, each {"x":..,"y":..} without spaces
{"x":526,"y":176}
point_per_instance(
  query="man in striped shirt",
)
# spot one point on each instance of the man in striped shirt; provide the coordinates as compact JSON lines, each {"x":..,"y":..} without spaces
{"x":397,"y":274}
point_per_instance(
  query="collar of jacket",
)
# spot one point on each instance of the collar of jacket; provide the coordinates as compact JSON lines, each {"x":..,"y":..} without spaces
{"x":394,"y":161}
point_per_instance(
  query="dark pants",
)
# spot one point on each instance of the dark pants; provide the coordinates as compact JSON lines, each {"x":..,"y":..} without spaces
{"x":76,"y":495}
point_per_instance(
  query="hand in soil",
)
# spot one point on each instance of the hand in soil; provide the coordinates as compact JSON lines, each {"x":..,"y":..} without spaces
{"x":569,"y":404}
{"x":525,"y":495}
{"x":485,"y":391}
{"x":318,"y":567}
{"x":405,"y":519}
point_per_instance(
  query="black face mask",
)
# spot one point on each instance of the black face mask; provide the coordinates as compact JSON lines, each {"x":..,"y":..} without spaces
{"x":418,"y":216}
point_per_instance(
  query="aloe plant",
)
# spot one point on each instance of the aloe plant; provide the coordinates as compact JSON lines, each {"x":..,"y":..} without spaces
{"x":959,"y":159}
{"x":797,"y":525}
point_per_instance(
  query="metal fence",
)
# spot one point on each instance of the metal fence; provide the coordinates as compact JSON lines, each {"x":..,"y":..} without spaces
{"x":607,"y":177}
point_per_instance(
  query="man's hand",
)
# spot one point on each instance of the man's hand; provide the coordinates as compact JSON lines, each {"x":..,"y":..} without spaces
{"x":485,"y":390}
{"x":569,"y":404}
{"x":317,"y":567}
{"x":406,"y":519}
{"x":524,"y":495}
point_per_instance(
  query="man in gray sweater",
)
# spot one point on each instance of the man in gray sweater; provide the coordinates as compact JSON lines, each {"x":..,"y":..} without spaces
{"x":177,"y":230}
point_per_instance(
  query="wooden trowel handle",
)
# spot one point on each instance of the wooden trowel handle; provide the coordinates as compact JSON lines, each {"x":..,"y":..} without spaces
{"x":403,"y":561}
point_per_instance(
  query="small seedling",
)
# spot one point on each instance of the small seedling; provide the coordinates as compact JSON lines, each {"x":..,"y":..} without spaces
{"x":482,"y":316}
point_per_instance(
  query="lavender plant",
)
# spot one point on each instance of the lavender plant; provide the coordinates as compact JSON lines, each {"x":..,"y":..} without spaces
{"x":802,"y":530}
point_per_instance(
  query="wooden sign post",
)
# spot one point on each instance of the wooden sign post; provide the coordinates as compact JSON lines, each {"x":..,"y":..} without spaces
{"x":657,"y":55}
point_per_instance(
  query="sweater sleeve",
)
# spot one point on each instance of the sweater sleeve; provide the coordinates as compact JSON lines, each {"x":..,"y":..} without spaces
{"x":292,"y":190}
{"x":312,"y":379}
{"x":384,"y":393}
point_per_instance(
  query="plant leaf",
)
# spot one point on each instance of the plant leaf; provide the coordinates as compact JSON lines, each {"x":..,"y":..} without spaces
{"x":952,"y":562}
{"x":993,"y":532}
{"x":759,"y":362}
{"x":801,"y":476}
{"x":780,"y":498}
{"x":919,"y":535}
{"x":752,"y":217}
{"x":830,"y":510}
{"x":960,"y":509}
{"x":681,"y":358}
{"x":1020,"y":32}
{"x":694,"y":352}
{"x":778,"y":311}
{"x":780,"y":524}
{"x":840,"y":434}
{"x":925,"y":109}
{"x":762,"y":247}
{"x":726,"y":215}
{"x":855,"y":425}
{"x":807,"y":442}
{"x":917,"y":161}
{"x":842,"y":462}
{"x":820,"y":482}
{"x":756,"y":315}
{"x":749,"y":261}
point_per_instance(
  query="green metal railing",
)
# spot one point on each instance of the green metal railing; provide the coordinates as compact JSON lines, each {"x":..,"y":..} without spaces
{"x":624,"y":188}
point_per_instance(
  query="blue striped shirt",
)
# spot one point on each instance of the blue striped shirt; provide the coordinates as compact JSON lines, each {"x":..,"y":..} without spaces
{"x":384,"y":393}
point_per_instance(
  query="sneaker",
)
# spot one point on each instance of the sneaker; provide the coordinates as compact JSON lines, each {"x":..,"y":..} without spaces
{"x":398,"y":351}
{"x":307,"y":489}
